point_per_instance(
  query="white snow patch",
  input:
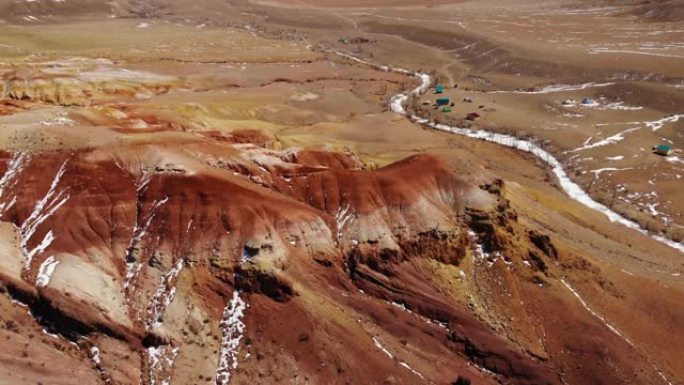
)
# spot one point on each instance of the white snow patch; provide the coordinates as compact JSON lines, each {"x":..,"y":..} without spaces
{"x":417,"y":373}
{"x":9,"y":180}
{"x":620,"y":136}
{"x":479,"y":254}
{"x":43,"y":209}
{"x":164,"y":295}
{"x":596,"y":315}
{"x":382,"y":348}
{"x":144,"y":181}
{"x":160,"y":363}
{"x":106,"y":73}
{"x":481,"y":369}
{"x":652,"y":208}
{"x":658,"y":124}
{"x":343,"y":217}
{"x":620,"y":106}
{"x":95,"y":355}
{"x":45,"y":271}
{"x":598,"y":172}
{"x":554,"y":88}
{"x":601,"y":50}
{"x":132,"y":269}
{"x":51,"y":201}
{"x":96,"y":359}
{"x":425,"y":319}
{"x":44,"y":244}
{"x":232,"y":329}
{"x":58,"y":121}
{"x":139,"y":231}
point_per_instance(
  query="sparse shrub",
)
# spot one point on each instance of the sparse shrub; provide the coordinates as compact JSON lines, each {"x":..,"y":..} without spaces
{"x":10,"y":325}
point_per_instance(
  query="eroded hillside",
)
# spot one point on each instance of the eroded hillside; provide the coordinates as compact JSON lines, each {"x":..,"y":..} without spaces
{"x":192,"y":204}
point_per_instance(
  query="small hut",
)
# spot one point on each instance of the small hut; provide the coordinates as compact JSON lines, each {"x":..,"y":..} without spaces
{"x":472,"y":116}
{"x":663,"y":149}
{"x":442,"y":101}
{"x":446,"y":109}
{"x":439,"y":89}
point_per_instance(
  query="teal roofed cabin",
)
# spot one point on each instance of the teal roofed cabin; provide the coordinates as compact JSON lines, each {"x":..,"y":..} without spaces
{"x":663,"y":149}
{"x":442,"y":101}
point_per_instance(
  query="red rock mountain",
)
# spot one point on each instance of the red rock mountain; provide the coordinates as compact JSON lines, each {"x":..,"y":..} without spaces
{"x":148,"y":237}
{"x":299,"y":262}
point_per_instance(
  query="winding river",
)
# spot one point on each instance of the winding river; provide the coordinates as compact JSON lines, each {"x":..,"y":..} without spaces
{"x":572,"y":189}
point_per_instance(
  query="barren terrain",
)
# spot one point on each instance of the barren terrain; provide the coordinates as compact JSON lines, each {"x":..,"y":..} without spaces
{"x":241,"y":192}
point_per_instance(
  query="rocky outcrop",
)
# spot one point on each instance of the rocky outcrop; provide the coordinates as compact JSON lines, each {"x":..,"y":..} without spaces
{"x":148,"y":233}
{"x":81,"y":82}
{"x":272,"y":285}
{"x":543,"y":243}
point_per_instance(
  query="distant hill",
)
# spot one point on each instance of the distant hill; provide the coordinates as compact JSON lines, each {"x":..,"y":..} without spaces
{"x":668,"y":10}
{"x":649,"y":10}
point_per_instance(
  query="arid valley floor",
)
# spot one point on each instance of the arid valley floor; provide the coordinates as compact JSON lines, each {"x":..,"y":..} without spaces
{"x":263,"y":192}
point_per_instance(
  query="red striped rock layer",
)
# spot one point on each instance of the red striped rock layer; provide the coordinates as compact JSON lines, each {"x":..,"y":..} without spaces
{"x":169,"y":261}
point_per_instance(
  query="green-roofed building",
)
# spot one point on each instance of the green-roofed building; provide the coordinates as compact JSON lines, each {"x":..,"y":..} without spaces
{"x":663,"y":149}
{"x":442,"y":101}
